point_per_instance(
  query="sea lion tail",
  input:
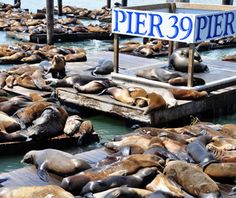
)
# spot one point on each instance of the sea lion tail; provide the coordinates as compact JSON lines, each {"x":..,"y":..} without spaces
{"x":43,"y":174}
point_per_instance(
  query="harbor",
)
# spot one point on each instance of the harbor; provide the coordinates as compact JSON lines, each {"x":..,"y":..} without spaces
{"x":165,"y":109}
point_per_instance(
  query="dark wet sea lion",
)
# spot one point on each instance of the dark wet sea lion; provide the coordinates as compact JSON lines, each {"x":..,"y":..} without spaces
{"x":94,"y":86}
{"x":7,"y":123}
{"x":179,"y":61}
{"x":3,"y":92}
{"x":3,"y":77}
{"x":50,"y":123}
{"x":182,"y":94}
{"x":34,"y":191}
{"x":127,"y":165}
{"x":161,"y":182}
{"x":12,"y":137}
{"x":197,"y":150}
{"x":55,"y":161}
{"x":126,"y":192}
{"x":221,"y":170}
{"x":103,"y":67}
{"x":158,"y":74}
{"x":192,"y":179}
{"x":137,"y":180}
{"x":121,"y":94}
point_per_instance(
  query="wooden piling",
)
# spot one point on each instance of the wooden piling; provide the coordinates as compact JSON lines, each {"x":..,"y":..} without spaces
{"x":124,"y":3}
{"x":50,"y":21}
{"x":116,"y":53}
{"x":227,"y":2}
{"x":59,"y":3}
{"x":190,"y":65}
{"x":172,"y":9}
{"x":108,"y":3}
{"x":17,"y":3}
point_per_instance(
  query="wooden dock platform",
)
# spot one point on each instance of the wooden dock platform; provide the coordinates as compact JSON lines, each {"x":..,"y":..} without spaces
{"x":220,"y":81}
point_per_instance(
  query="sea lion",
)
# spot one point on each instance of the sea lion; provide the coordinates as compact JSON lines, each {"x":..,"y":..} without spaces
{"x":3,"y":77}
{"x":94,"y":86}
{"x":137,"y":180}
{"x":103,"y":67}
{"x":10,"y":80}
{"x":72,"y":125}
{"x":137,"y":93}
{"x":231,"y":58}
{"x":155,"y":102}
{"x":34,"y":58}
{"x":122,"y":192}
{"x":143,"y":51}
{"x":221,"y":170}
{"x":55,"y":161}
{"x":77,"y":57}
{"x":197,"y":150}
{"x":12,"y":137}
{"x":229,"y":130}
{"x":7,"y":123}
{"x":34,"y":191}
{"x":162,"y":183}
{"x":221,"y":143}
{"x":31,"y":112}
{"x":69,"y":81}
{"x":121,"y":95}
{"x":192,"y":179}
{"x":179,"y":61}
{"x":183,"y":81}
{"x":160,"y":194}
{"x":158,"y":74}
{"x":223,"y":156}
{"x":127,"y":165}
{"x":86,"y":131}
{"x":50,"y":123}
{"x":58,"y":66}
{"x":182,"y":94}
{"x":15,"y":58}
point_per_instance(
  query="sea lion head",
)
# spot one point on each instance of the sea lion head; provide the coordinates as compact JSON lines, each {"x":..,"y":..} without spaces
{"x":28,"y":157}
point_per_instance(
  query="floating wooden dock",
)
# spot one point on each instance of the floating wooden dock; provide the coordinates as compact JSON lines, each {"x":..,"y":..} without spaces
{"x":27,"y":176}
{"x":220,"y":81}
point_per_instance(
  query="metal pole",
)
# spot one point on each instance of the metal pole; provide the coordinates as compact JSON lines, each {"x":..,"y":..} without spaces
{"x":190,"y":65}
{"x":59,"y":2}
{"x":116,"y":53}
{"x":108,"y":3}
{"x":124,"y":3}
{"x":172,"y":9}
{"x":50,"y":21}
{"x":227,"y":2}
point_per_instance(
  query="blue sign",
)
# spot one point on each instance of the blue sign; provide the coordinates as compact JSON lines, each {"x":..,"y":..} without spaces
{"x":190,"y":28}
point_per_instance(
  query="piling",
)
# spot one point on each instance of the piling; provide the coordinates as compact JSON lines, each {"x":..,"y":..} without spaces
{"x":227,"y":2}
{"x":17,"y":3}
{"x":59,"y":2}
{"x":50,"y":21}
{"x":108,"y":3}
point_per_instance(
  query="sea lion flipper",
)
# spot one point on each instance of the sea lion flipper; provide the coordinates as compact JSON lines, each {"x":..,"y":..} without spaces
{"x":42,"y":173}
{"x":37,"y":83}
{"x":3,"y":179}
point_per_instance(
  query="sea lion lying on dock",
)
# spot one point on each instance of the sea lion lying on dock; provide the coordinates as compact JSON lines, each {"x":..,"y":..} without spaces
{"x":231,"y":58}
{"x":55,"y":161}
{"x":8,"y":124}
{"x":58,"y":67}
{"x":179,"y":61}
{"x":35,"y":191}
{"x":184,"y":94}
{"x":103,"y":67}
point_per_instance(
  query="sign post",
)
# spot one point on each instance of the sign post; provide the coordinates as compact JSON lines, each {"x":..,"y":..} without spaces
{"x":174,"y":25}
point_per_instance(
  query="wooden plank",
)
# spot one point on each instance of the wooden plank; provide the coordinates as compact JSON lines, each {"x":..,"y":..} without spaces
{"x":27,"y":176}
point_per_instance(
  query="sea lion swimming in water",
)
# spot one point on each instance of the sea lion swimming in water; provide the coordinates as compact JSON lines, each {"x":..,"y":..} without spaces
{"x":179,"y":61}
{"x":55,"y":161}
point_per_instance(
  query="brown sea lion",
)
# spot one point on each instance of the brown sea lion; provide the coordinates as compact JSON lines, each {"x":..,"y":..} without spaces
{"x":72,"y":125}
{"x":123,"y":192}
{"x":15,"y":58}
{"x":34,"y":58}
{"x":223,"y":156}
{"x":3,"y":77}
{"x":143,"y":51}
{"x":229,"y":129}
{"x":127,"y":165}
{"x":137,"y":93}
{"x":231,"y":58}
{"x":121,"y":94}
{"x":28,"y":114}
{"x":94,"y":86}
{"x":221,"y":143}
{"x":197,"y":150}
{"x":55,"y":161}
{"x":182,"y":81}
{"x":78,"y":57}
{"x":22,"y":69}
{"x":157,"y":74}
{"x":179,"y":61}
{"x":7,"y":123}
{"x":137,"y":180}
{"x":155,"y":102}
{"x":182,"y":94}
{"x":58,"y":66}
{"x":34,"y":191}
{"x":10,"y":80}
{"x":86,"y":131}
{"x":192,"y":179}
{"x":221,"y":170}
{"x":161,"y":182}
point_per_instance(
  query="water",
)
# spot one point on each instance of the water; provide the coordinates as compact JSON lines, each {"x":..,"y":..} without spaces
{"x":106,"y":126}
